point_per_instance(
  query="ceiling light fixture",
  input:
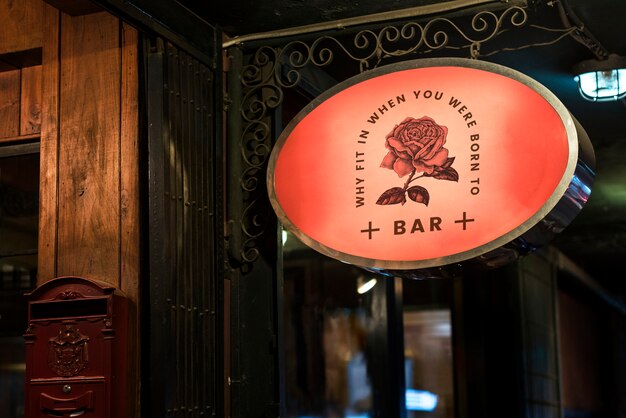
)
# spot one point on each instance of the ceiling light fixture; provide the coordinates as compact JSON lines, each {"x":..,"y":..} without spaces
{"x":602,"y":80}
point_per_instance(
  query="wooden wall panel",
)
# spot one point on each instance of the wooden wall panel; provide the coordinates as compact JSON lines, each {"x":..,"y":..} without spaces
{"x":30,"y":109}
{"x":89,"y":213}
{"x":20,"y":25}
{"x":9,"y":103}
{"x":49,"y":156}
{"x":89,"y":190}
{"x":89,"y":148}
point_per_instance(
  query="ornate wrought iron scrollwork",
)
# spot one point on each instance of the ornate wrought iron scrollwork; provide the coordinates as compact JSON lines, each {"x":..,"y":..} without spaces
{"x":271,"y":69}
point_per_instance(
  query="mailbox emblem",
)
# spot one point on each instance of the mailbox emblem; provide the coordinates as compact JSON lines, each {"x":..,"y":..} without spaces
{"x":68,"y":354}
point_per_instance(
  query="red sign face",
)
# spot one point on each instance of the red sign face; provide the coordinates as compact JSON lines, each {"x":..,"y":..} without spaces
{"x":422,"y":164}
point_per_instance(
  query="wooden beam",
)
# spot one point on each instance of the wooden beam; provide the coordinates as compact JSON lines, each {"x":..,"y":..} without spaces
{"x":75,"y":7}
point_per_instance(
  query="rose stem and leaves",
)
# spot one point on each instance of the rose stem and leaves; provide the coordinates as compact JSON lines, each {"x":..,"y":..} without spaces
{"x":418,"y":194}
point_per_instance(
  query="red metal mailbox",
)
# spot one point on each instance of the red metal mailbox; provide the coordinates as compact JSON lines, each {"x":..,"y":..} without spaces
{"x":75,"y":350}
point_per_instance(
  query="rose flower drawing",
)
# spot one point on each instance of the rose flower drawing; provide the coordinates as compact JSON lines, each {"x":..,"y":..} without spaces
{"x":416,"y":150}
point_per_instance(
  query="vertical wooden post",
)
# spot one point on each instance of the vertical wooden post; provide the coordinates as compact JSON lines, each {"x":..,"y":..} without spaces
{"x":129,"y":204}
{"x":89,"y":144}
{"x":49,"y":154}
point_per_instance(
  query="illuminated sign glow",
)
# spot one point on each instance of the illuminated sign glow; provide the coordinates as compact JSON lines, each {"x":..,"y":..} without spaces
{"x":423,"y":164}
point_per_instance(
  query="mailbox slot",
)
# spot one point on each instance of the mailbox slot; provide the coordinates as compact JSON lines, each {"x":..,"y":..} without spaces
{"x":69,"y":308}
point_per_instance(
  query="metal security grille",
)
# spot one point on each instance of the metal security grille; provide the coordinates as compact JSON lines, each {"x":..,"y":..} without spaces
{"x":183,"y":301}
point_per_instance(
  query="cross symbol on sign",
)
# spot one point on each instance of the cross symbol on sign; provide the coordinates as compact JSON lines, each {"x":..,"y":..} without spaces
{"x":464,"y":221}
{"x":370,"y":229}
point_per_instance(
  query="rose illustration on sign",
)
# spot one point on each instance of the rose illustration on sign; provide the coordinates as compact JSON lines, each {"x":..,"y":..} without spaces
{"x":416,"y":147}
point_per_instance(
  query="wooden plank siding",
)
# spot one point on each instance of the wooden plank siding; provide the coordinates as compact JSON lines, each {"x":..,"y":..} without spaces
{"x":30,"y":102}
{"x":89,"y":150}
{"x":89,"y":189}
{"x":9,"y":103}
{"x":20,"y":25}
{"x":21,"y":38}
{"x":89,"y":237}
{"x":20,"y":104}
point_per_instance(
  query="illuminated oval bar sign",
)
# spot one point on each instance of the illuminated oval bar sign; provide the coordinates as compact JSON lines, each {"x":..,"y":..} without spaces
{"x":430,"y":163}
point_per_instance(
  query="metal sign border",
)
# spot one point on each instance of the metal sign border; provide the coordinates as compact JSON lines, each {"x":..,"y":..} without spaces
{"x":547,"y":208}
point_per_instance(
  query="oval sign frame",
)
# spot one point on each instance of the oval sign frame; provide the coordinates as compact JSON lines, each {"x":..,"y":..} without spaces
{"x":573,"y":133}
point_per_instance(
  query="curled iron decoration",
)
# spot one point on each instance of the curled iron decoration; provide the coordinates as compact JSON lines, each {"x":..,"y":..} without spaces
{"x":254,"y":152}
{"x":271,"y":69}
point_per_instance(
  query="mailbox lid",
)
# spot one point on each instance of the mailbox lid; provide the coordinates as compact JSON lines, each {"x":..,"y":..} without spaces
{"x":70,"y":288}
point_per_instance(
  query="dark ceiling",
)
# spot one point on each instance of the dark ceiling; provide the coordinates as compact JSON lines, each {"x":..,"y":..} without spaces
{"x":596,"y":239}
